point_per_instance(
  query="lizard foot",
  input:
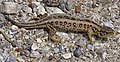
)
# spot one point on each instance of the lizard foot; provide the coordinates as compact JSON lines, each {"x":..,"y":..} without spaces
{"x":54,"y":38}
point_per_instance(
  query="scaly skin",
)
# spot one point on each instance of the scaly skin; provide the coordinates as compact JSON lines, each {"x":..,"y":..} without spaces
{"x":63,"y":22}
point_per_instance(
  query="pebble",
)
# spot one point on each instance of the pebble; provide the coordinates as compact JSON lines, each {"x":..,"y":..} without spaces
{"x":40,"y":10}
{"x":104,"y":55}
{"x":9,"y":8}
{"x":46,"y":48}
{"x":67,"y":55}
{"x":39,"y":40}
{"x":63,"y":35}
{"x":11,"y":59}
{"x":20,"y":60}
{"x":1,"y":59}
{"x":34,"y":54}
{"x":90,"y":47}
{"x":52,"y":10}
{"x":51,"y":57}
{"x":25,"y":52}
{"x":77,"y":52}
{"x":2,"y":18}
{"x":14,"y":27}
{"x":56,"y":50}
{"x":39,"y":0}
{"x":61,"y":48}
{"x":34,"y":46}
{"x":27,"y":9}
{"x":109,"y":24}
{"x":43,"y":44}
{"x":1,"y":37}
{"x":41,"y":60}
{"x":89,"y":55}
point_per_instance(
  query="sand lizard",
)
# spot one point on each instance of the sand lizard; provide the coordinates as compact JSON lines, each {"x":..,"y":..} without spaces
{"x":63,"y":22}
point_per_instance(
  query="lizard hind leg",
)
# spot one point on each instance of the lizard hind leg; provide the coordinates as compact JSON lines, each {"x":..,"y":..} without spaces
{"x":52,"y":34}
{"x":90,"y":37}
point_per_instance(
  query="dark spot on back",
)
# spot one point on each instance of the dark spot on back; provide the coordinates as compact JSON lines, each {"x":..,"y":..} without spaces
{"x":74,"y":25}
{"x":48,"y":22}
{"x":56,"y":22}
{"x":65,"y":22}
{"x":51,"y":22}
{"x":88,"y":26}
{"x":61,"y":23}
{"x":95,"y":29}
{"x":69,"y":24}
{"x":85,"y":26}
{"x":80,"y":25}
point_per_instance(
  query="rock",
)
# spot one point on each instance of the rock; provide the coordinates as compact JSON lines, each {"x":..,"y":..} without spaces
{"x":41,"y":10}
{"x":9,"y":8}
{"x":109,"y":24}
{"x":68,"y":44}
{"x":104,"y":54}
{"x":53,"y":10}
{"x":39,"y":0}
{"x":25,"y":52}
{"x":11,"y":59}
{"x":1,"y":37}
{"x":43,"y":44}
{"x":90,"y":47}
{"x":101,"y":54}
{"x":34,"y":46}
{"x":2,"y":18}
{"x":18,"y":1}
{"x":41,"y":60}
{"x":56,"y":50}
{"x":62,"y":34}
{"x":61,"y":48}
{"x":46,"y":48}
{"x":35,"y":4}
{"x":77,"y":52}
{"x":39,"y":40}
{"x":67,"y":55}
{"x":27,"y":9}
{"x":20,"y":60}
{"x":34,"y":54}
{"x":69,"y":4}
{"x":1,"y":59}
{"x":89,"y":55}
{"x":14,"y":43}
{"x":14,"y":27}
{"x":51,"y":57}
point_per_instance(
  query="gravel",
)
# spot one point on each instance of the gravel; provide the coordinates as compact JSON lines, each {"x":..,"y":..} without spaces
{"x":34,"y":44}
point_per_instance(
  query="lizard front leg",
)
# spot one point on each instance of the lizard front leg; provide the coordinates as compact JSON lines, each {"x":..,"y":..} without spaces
{"x":89,"y":33}
{"x":52,"y":33}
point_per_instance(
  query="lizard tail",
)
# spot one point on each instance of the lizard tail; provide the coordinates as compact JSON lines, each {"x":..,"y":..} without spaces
{"x":26,"y":24}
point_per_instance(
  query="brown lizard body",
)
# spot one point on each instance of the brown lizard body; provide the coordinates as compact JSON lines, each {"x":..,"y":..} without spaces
{"x":63,"y":22}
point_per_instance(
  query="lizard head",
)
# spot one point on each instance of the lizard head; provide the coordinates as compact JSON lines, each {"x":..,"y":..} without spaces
{"x":106,"y":32}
